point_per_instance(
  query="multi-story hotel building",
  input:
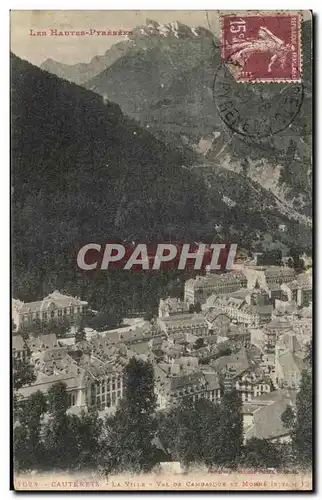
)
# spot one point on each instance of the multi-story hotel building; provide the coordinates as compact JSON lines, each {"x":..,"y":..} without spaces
{"x":242,"y":309}
{"x":105,"y":392}
{"x":55,"y":306}
{"x":299,"y":290}
{"x":200,"y":288}
{"x":265,"y":276}
{"x":197,"y":385}
{"x":184,"y":323}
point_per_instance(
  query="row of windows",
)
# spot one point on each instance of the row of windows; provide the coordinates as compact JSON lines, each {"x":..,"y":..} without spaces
{"x":186,"y":326}
{"x":107,"y":386}
{"x":20,"y":354}
{"x":106,"y":400}
{"x":60,"y":312}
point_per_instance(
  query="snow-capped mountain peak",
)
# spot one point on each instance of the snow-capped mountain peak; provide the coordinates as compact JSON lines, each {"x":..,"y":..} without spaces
{"x":171,"y":29}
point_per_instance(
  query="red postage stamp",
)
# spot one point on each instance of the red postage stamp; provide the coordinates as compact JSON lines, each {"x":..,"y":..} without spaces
{"x":262,"y":48}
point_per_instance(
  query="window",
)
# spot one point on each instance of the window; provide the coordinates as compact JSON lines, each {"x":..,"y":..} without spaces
{"x":65,"y":310}
{"x":72,"y":399}
{"x":113,"y":385}
{"x":52,"y":314}
{"x":60,"y":312}
{"x":44,"y":315}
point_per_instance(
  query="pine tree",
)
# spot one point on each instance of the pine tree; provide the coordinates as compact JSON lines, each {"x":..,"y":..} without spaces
{"x":89,"y":433}
{"x":261,"y":454}
{"x":28,"y":448}
{"x":130,"y":432}
{"x":231,"y":428}
{"x":23,"y":373}
{"x":299,"y":420}
{"x":61,"y":436}
{"x":190,"y":431}
{"x":304,"y":424}
{"x":176,"y":429}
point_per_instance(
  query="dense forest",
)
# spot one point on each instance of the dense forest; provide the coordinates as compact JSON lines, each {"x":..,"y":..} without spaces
{"x":82,"y":172}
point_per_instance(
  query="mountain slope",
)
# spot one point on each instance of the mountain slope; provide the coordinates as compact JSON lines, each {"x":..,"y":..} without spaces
{"x":168,"y":88}
{"x":82,"y":72}
{"x":162,"y":84}
{"x":82,"y":171}
{"x":142,"y":38}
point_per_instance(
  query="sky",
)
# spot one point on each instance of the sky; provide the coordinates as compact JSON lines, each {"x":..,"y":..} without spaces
{"x":73,"y":49}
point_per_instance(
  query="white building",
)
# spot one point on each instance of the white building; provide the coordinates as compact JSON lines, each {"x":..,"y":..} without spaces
{"x":184,"y":323}
{"x":56,"y":306}
{"x":199,"y":289}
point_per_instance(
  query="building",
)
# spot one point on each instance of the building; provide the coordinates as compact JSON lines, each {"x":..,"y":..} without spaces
{"x":197,"y":290}
{"x":105,"y":385}
{"x":93,"y":377}
{"x":288,"y":369}
{"x":195,"y":324}
{"x":75,"y":382}
{"x":171,"y":306}
{"x":239,"y":335}
{"x":55,"y":307}
{"x":129,"y":334}
{"x":19,"y":348}
{"x":240,"y":308}
{"x":299,"y":290}
{"x":265,"y":276}
{"x":242,"y":372}
{"x":271,"y":332}
{"x":172,"y":351}
{"x":252,"y":384}
{"x":262,"y":417}
{"x":274,"y":291}
{"x":307,"y":261}
{"x":199,"y":384}
{"x":42,"y":342}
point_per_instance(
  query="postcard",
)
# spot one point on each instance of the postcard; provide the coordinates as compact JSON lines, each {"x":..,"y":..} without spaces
{"x":161,"y":194}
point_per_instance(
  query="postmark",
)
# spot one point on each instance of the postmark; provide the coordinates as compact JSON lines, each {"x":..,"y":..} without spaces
{"x":255,"y":111}
{"x":262,"y":47}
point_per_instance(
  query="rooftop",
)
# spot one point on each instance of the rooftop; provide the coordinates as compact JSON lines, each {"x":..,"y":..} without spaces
{"x":267,"y":420}
{"x":193,"y":379}
{"x":18,"y":343}
{"x":55,"y":299}
{"x":185,"y":318}
{"x":45,"y":382}
{"x":216,"y":279}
